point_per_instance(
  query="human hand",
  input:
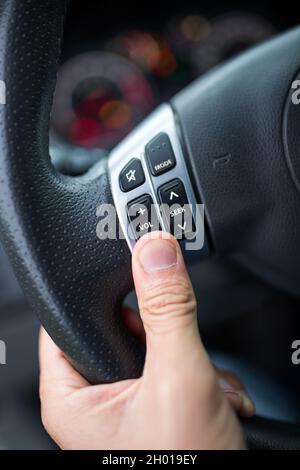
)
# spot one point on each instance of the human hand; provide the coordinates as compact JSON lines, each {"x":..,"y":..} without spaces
{"x":180,"y":402}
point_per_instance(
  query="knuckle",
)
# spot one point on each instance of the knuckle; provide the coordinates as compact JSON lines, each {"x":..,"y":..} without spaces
{"x":53,"y":406}
{"x":174,"y":297}
{"x":43,"y":392}
{"x":46,"y":418}
{"x":45,"y":408}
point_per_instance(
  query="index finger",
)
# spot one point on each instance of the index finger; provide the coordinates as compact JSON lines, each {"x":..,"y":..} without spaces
{"x":55,"y":370}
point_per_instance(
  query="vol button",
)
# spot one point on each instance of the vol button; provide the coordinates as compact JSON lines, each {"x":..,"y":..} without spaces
{"x":142,"y":215}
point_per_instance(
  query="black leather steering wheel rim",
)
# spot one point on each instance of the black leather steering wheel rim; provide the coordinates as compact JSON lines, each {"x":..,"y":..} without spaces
{"x":48,"y":222}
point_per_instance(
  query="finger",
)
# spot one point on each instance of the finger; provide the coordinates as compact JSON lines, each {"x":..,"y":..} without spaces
{"x":55,"y":370}
{"x":229,"y":378}
{"x":58,"y":379}
{"x":167,"y":304}
{"x":236,"y":393}
{"x":134,"y":323}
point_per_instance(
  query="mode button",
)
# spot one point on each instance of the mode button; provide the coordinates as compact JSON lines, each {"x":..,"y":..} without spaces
{"x":160,"y":154}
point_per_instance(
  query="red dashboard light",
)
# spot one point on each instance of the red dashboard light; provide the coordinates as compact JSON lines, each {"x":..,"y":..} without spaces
{"x":115,"y":114}
{"x":150,"y":51}
{"x":84,"y":131}
{"x":166,"y":65}
{"x":194,"y":28}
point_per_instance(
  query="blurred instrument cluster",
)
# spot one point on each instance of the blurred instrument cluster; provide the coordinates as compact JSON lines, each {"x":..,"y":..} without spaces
{"x":105,"y":88}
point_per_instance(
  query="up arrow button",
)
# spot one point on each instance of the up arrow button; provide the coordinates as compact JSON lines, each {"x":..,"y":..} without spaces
{"x":172,"y":195}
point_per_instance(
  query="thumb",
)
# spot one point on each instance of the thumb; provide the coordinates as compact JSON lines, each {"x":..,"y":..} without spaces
{"x":167,"y":306}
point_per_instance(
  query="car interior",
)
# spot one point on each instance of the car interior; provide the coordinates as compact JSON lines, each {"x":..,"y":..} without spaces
{"x":145,"y":54}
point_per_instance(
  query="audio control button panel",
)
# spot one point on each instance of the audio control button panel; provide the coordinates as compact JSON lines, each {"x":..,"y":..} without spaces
{"x":151,"y":186}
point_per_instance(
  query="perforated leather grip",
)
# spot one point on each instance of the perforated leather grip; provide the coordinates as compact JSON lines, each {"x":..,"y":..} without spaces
{"x":74,"y":281}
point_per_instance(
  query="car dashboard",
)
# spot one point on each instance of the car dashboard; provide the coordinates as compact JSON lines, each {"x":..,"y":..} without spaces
{"x":120,"y":62}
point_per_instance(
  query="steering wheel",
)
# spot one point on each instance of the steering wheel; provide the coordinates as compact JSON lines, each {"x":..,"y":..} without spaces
{"x":235,"y":135}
